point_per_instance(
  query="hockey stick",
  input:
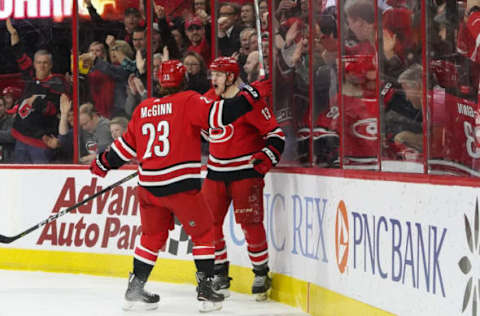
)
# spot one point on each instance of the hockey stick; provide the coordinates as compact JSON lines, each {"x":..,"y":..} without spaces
{"x":7,"y":240}
{"x":259,"y":39}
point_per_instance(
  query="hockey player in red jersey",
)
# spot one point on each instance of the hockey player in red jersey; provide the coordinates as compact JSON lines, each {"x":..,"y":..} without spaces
{"x":164,"y":136}
{"x":241,"y":154}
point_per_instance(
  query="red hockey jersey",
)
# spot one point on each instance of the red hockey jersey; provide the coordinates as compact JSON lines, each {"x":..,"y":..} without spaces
{"x":231,"y":147}
{"x":164,"y":136}
{"x":459,"y":152}
{"x":360,"y":141}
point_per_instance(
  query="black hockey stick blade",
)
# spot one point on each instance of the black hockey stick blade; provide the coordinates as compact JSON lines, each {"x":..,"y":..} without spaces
{"x":51,"y":218}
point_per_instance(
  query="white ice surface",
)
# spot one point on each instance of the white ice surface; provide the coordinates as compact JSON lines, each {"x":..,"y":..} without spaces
{"x":53,"y":294}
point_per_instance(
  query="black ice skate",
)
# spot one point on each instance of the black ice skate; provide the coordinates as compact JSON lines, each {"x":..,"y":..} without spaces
{"x":221,"y":284}
{"x":136,"y":298}
{"x":262,"y":284}
{"x":208,"y":298}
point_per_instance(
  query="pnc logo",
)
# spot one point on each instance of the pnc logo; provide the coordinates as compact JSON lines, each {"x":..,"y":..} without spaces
{"x":342,"y":233}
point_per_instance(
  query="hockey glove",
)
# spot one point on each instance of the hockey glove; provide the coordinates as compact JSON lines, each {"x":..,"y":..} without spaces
{"x":265,"y":159}
{"x":100,"y":165}
{"x":251,"y":94}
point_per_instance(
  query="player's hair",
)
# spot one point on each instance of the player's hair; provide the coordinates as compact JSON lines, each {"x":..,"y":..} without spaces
{"x":172,"y":90}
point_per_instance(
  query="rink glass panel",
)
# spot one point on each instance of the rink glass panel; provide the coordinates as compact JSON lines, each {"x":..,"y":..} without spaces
{"x":291,"y":79}
{"x":401,"y":94}
{"x":337,"y":103}
{"x":453,"y":90}
{"x":53,"y":34}
{"x":325,"y":88}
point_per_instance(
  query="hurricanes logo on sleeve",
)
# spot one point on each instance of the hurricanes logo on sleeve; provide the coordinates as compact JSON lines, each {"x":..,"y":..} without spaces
{"x":220,"y":134}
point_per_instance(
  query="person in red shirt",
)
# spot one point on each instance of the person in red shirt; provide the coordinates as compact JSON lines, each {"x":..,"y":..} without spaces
{"x":195,"y":31}
{"x":163,"y":135}
{"x":241,"y":154}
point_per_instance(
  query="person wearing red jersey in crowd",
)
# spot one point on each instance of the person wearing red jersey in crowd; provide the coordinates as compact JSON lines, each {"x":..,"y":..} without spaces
{"x":164,"y":136}
{"x":195,"y":31}
{"x":37,"y":108}
{"x":240,"y":155}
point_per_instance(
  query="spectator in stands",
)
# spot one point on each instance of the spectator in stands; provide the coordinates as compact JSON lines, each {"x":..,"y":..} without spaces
{"x":136,"y":91}
{"x":7,"y":142}
{"x":120,"y":52}
{"x":118,"y":125}
{"x":101,"y":86}
{"x":263,"y":13}
{"x":181,"y":39}
{"x":166,"y":37}
{"x":247,"y":15}
{"x":325,"y":76}
{"x":138,"y":38}
{"x":228,"y":28}
{"x":98,"y":49}
{"x":121,"y":31}
{"x":156,"y":39}
{"x":197,"y":72}
{"x":361,"y":21}
{"x":244,"y":50}
{"x":253,"y":42}
{"x":63,"y":144}
{"x":262,"y":7}
{"x":195,"y":31}
{"x":403,"y":119}
{"x":251,"y":67}
{"x":10,"y":96}
{"x":361,"y":67}
{"x":39,"y":104}
{"x":95,"y":133}
{"x":201,"y":9}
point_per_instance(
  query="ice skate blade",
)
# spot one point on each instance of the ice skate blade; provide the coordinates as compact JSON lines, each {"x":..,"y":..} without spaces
{"x":138,"y":306}
{"x":208,"y":306}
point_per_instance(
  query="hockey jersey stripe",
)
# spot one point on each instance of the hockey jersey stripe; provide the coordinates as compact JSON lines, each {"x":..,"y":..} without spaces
{"x":203,"y":257}
{"x":276,"y":133}
{"x":258,"y":262}
{"x":145,"y":181}
{"x":229,"y":161}
{"x":147,"y":250}
{"x":169,"y":169}
{"x":229,"y":168}
{"x":203,"y":251}
{"x":145,"y":256}
{"x":120,"y":152}
{"x":127,"y":147}
{"x":258,"y":254}
{"x":215,"y":118}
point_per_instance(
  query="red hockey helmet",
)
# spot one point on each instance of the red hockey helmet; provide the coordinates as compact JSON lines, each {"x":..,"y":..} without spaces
{"x":171,"y":74}
{"x":226,"y":65}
